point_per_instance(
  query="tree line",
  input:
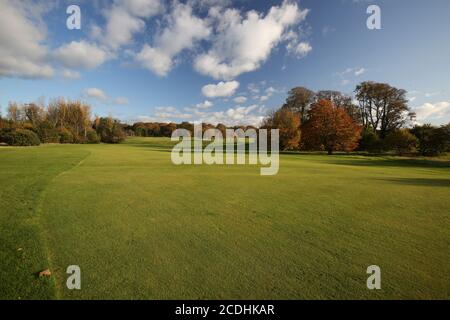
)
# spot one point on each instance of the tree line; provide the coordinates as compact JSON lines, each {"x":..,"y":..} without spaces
{"x":61,"y":121}
{"x":377,"y":120}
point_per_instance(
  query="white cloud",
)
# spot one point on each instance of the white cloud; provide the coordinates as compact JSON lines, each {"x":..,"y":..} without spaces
{"x":253,"y":88}
{"x":242,"y":44}
{"x":268,"y":92}
{"x":359,"y":72}
{"x":222,"y":89}
{"x":240,"y":99}
{"x":70,"y":74}
{"x":165,"y":109}
{"x":303,"y":49}
{"x":170,"y":113}
{"x":251,"y":115}
{"x":100,"y":95}
{"x":80,"y":54}
{"x":298,"y":48}
{"x":121,"y":101}
{"x":142,"y":8}
{"x":182,"y":31}
{"x":349,"y":75}
{"x":204,"y":105}
{"x":154,"y":60}
{"x":125,"y":18}
{"x":22,"y":36}
{"x":239,"y":115}
{"x":95,"y":93}
{"x":433,"y":112}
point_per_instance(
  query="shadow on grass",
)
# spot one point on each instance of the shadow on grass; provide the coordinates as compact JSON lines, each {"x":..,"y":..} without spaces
{"x":421,"y":182}
{"x":383,"y":162}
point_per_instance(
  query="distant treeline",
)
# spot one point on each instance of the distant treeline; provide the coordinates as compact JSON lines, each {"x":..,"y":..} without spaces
{"x":377,"y":120}
{"x":61,"y":121}
{"x":157,"y":129}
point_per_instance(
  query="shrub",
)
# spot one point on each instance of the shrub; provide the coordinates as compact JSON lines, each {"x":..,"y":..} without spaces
{"x":47,"y":133}
{"x":432,"y":140}
{"x":109,"y":130}
{"x":65,"y":136}
{"x":370,"y":141}
{"x":92,"y":137}
{"x":3,"y":134}
{"x":401,"y":141}
{"x":21,"y":137}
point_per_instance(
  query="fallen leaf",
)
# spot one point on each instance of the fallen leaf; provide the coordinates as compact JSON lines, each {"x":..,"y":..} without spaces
{"x":45,"y":273}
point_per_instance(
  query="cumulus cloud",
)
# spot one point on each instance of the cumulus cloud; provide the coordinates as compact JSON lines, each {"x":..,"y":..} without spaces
{"x":295,"y":46}
{"x":222,"y":89}
{"x":240,"y":99}
{"x":204,"y":105}
{"x":302,"y":49}
{"x":23,"y":52}
{"x":359,"y":72}
{"x":182,"y":31}
{"x":80,"y":54}
{"x":100,"y":95}
{"x":95,"y":93}
{"x":250,"y":115}
{"x":170,"y":113}
{"x":242,"y":44}
{"x":125,"y":18}
{"x":70,"y":74}
{"x":166,"y":109}
{"x":238,"y":115}
{"x":431,"y":112}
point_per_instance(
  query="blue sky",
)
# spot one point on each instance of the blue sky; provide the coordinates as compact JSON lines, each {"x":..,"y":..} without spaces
{"x":220,"y":61}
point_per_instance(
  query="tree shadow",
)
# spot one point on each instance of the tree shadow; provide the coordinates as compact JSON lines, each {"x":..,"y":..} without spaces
{"x":383,"y":162}
{"x":420,"y":182}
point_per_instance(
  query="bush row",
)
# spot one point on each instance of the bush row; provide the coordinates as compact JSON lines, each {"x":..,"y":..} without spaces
{"x":33,"y":137}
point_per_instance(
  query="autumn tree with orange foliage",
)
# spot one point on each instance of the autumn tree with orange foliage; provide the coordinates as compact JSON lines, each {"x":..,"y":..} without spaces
{"x":330,"y":128}
{"x":288,"y":123}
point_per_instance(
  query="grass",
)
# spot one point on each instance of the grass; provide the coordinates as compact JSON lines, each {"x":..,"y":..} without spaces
{"x":142,"y":228}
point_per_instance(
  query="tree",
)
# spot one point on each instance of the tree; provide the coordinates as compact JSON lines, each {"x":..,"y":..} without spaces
{"x":34,"y":113}
{"x":299,"y":101}
{"x":341,"y":100}
{"x":187,"y":126}
{"x":330,"y":128}
{"x":222,"y":128}
{"x":288,"y":123}
{"x":432,"y":140}
{"x":167,"y":129}
{"x":401,"y":141}
{"x":383,"y":108}
{"x":109,"y":130}
{"x":15,"y":114}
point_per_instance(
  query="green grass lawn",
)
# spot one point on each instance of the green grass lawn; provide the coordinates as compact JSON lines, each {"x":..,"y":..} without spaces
{"x":142,"y":228}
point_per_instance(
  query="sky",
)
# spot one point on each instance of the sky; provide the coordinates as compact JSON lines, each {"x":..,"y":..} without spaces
{"x":220,"y":61}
